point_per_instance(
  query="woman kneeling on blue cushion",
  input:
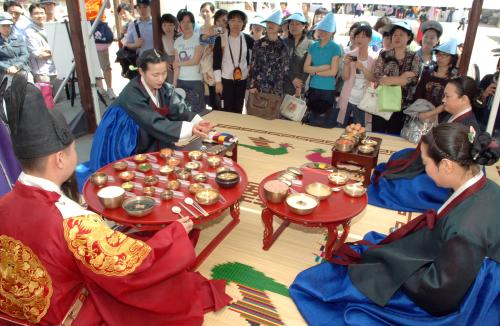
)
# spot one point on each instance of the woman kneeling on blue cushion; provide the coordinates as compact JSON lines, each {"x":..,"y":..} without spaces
{"x":401,"y":183}
{"x":440,"y":268}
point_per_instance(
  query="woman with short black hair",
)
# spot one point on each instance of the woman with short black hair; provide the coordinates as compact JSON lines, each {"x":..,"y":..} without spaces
{"x":232,"y":61}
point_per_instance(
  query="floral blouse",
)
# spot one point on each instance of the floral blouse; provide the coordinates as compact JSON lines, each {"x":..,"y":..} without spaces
{"x":388,"y":65}
{"x":269,"y":66}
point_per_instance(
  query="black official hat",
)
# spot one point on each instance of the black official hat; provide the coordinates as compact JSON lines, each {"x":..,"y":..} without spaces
{"x":35,"y":130}
{"x":144,"y":2}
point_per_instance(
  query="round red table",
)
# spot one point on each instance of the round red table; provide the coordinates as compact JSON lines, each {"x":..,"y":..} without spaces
{"x":337,"y":209}
{"x":162,"y":214}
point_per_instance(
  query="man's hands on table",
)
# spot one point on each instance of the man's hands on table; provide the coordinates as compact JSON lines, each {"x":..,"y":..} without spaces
{"x":187,"y":223}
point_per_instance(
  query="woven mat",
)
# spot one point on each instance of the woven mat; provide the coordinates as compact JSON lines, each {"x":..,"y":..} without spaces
{"x":258,"y":279}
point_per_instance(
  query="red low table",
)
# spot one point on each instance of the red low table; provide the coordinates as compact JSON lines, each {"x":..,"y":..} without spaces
{"x":337,"y":209}
{"x":162,"y":214}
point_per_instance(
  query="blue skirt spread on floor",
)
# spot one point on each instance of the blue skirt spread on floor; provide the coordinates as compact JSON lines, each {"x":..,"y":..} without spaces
{"x":325,"y":295}
{"x":114,"y":139}
{"x":417,"y":194}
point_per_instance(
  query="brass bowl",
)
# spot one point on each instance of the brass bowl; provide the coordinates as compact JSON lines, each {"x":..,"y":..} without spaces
{"x":302,"y":204}
{"x":294,"y":171}
{"x":318,"y":190}
{"x":366,"y":149}
{"x":354,"y":190}
{"x":183,"y":174}
{"x":200,"y":177}
{"x":173,"y":161}
{"x":166,"y":170}
{"x":344,"y":145}
{"x":120,"y":166}
{"x":139,"y":158}
{"x":151,"y":180}
{"x":173,"y":185}
{"x":192,"y":166}
{"x":275,"y":191}
{"x":111,"y":197}
{"x":369,"y":142}
{"x":167,"y":195}
{"x":128,"y":186}
{"x":227,"y":179}
{"x":149,"y":191}
{"x":138,"y":206}
{"x":338,"y":178}
{"x":195,"y":155}
{"x":195,"y":187}
{"x":166,"y":152}
{"x":126,"y":175}
{"x":144,"y":167}
{"x":207,"y":196}
{"x":222,"y":169}
{"x":214,"y":161}
{"x":99,"y":179}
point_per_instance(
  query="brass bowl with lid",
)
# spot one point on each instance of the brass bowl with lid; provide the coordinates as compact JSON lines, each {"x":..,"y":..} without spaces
{"x":207,"y":196}
{"x":99,"y":179}
{"x":318,"y":190}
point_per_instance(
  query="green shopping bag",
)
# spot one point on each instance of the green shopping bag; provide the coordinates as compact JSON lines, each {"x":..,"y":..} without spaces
{"x":389,"y":98}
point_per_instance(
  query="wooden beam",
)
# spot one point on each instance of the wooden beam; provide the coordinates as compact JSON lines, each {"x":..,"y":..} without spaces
{"x":470,"y":36}
{"x":81,"y":63}
{"x":118,"y":21}
{"x":155,"y":14}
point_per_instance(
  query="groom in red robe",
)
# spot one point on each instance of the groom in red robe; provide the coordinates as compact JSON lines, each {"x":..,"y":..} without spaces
{"x":61,"y":264}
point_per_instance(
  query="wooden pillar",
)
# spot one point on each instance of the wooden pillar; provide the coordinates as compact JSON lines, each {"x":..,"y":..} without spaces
{"x":156,"y":14}
{"x":81,"y":63}
{"x":470,"y":36}
{"x":118,"y":20}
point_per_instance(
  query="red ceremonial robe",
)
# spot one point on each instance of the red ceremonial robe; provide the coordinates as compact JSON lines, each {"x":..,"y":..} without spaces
{"x":130,"y":282}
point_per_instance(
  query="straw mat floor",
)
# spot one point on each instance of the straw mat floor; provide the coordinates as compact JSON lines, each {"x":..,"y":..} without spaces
{"x":258,"y":280}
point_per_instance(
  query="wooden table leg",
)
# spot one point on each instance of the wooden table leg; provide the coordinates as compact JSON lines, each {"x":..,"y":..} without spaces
{"x":235,"y":214}
{"x":332,"y":239}
{"x":347,"y":227}
{"x":269,"y":236}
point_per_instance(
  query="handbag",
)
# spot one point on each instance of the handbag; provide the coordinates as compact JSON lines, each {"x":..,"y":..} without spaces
{"x":369,"y":104}
{"x":389,"y":98}
{"x":264,"y":105}
{"x":46,"y":90}
{"x":293,"y":108}
{"x":128,"y":57}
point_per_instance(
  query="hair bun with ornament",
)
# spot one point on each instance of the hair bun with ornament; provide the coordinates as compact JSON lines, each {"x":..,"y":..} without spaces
{"x":485,"y":149}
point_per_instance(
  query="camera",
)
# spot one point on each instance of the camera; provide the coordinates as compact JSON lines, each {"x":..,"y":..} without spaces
{"x":219,"y":30}
{"x":354,"y":58}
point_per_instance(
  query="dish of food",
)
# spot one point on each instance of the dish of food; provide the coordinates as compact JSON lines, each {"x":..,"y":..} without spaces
{"x":128,"y":186}
{"x":318,"y":190}
{"x":167,"y":195}
{"x":151,"y":180}
{"x":183,"y":174}
{"x":111,"y":197}
{"x":173,"y":185}
{"x":99,"y":179}
{"x":302,"y":204}
{"x":195,"y":155}
{"x":369,"y":142}
{"x":166,"y":170}
{"x":173,"y":161}
{"x":166,"y":152}
{"x":192,"y":165}
{"x":354,"y":190}
{"x":366,"y":149}
{"x":144,"y":167}
{"x":227,"y":179}
{"x":139,"y":158}
{"x":120,"y":166}
{"x":139,"y":206}
{"x":214,"y":161}
{"x":338,"y":178}
{"x":207,"y":196}
{"x":344,"y":145}
{"x":200,"y":177}
{"x":275,"y":191}
{"x":195,"y":187}
{"x":126,"y":175}
{"x":149,"y":191}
